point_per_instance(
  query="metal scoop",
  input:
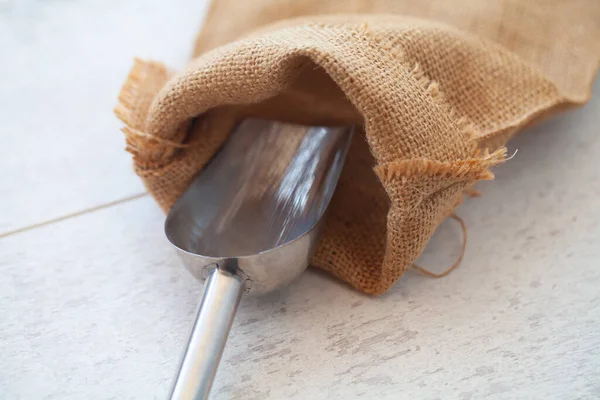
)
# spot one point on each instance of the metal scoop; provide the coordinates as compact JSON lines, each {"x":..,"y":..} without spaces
{"x":249,"y":222}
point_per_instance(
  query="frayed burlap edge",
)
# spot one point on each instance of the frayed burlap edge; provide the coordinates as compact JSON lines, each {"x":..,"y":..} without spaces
{"x":420,"y":189}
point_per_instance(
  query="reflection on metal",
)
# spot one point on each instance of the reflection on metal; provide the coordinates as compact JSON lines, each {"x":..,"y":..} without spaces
{"x":249,"y":222}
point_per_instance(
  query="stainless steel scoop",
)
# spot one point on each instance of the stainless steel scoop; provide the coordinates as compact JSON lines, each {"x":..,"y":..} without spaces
{"x":249,"y":222}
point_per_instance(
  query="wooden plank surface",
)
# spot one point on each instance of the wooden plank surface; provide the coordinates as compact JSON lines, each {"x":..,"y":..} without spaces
{"x":98,"y":306}
{"x":62,"y":67}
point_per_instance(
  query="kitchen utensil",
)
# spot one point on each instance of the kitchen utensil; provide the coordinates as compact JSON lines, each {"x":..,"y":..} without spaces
{"x":249,"y":222}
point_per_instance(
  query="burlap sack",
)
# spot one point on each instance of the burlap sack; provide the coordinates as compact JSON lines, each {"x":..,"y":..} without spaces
{"x":439,"y":87}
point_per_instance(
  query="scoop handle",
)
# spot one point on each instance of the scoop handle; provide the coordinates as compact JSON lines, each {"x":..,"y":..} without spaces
{"x":222,"y":294}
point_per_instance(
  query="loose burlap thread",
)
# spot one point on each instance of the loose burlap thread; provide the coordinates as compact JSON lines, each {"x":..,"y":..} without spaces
{"x":438,"y":86}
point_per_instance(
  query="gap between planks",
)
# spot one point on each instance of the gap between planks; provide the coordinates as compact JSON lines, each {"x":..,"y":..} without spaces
{"x":73,"y":215}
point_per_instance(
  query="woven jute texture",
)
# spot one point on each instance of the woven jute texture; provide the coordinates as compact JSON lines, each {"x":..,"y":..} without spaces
{"x":438,"y":87}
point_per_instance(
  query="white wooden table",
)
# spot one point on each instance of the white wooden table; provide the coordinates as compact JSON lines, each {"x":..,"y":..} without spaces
{"x":97,"y":306}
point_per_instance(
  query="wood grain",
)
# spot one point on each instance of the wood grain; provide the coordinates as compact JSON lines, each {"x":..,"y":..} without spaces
{"x":62,"y":67}
{"x":98,"y":306}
